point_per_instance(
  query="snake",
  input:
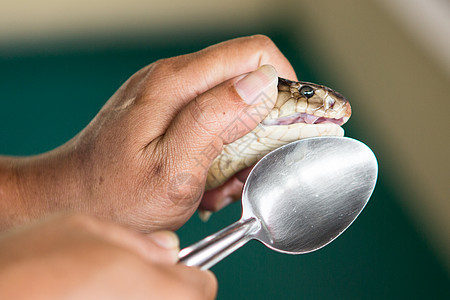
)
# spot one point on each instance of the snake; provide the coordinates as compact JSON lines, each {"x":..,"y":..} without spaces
{"x":302,"y":110}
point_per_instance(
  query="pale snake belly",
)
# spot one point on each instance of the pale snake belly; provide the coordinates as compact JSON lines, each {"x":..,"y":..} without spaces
{"x":302,"y":110}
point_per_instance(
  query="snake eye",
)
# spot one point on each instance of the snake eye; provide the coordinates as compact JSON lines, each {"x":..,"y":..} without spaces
{"x":307,"y":91}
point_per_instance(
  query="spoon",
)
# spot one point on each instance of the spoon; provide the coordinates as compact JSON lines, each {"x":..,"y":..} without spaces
{"x":297,"y":199}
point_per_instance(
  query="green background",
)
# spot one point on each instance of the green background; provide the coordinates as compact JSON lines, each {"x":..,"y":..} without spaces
{"x":48,"y":95}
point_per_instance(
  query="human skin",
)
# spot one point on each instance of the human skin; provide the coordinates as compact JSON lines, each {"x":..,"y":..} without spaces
{"x":79,"y":257}
{"x":143,"y":160}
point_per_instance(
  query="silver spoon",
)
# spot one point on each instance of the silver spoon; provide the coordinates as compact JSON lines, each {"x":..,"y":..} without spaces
{"x":296,"y":199}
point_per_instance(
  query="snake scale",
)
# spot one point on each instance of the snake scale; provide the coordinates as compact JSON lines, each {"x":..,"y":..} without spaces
{"x":302,"y":110}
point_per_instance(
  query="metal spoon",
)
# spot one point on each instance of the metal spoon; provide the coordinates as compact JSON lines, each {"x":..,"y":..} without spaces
{"x":296,"y":199}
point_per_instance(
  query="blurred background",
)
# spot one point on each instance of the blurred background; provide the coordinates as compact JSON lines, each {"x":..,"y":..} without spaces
{"x":60,"y":61}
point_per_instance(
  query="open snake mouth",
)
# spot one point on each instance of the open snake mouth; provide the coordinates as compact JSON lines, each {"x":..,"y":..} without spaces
{"x":302,"y":118}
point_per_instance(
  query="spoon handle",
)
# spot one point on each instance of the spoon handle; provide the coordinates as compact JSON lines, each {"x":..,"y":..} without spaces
{"x":212,"y":249}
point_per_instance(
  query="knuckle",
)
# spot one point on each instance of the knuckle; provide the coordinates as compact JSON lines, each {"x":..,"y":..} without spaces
{"x":219,"y":113}
{"x":265,"y":47}
{"x":205,"y":112}
{"x":161,"y":69}
{"x":167,"y":67}
{"x":263,"y":40}
{"x":159,"y":76}
{"x":160,"y":64}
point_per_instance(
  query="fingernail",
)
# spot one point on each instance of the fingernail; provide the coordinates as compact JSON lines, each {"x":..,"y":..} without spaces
{"x":204,"y":215}
{"x":165,"y":239}
{"x":258,"y":86}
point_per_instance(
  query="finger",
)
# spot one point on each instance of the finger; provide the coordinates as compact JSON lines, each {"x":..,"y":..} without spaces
{"x":217,"y":198}
{"x":217,"y":117}
{"x":243,"y":174}
{"x":161,"y":246}
{"x":231,"y":191}
{"x":176,"y":81}
{"x":168,"y":246}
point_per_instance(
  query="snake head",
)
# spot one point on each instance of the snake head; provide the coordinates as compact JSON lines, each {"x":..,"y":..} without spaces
{"x":302,"y":110}
{"x":307,"y":103}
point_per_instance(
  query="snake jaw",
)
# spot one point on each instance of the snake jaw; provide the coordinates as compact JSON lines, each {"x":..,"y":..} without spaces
{"x":303,"y":118}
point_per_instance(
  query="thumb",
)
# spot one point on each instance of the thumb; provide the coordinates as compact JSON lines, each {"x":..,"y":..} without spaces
{"x":219,"y":116}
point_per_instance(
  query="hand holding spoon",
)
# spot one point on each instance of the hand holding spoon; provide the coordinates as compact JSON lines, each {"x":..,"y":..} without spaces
{"x":296,"y":199}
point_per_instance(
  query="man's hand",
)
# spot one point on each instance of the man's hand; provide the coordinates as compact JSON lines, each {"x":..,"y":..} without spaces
{"x":143,"y":159}
{"x":77,"y":257}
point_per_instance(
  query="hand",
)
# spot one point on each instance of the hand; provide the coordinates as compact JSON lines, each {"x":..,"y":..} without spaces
{"x":77,"y":257}
{"x":143,"y":159}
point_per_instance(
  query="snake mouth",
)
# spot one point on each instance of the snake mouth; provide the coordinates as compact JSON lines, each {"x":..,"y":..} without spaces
{"x":303,"y":118}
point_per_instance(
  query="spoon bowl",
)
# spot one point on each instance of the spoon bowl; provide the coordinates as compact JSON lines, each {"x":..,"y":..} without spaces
{"x":297,"y":199}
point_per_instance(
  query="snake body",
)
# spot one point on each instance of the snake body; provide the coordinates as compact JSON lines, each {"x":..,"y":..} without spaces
{"x":302,"y":110}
